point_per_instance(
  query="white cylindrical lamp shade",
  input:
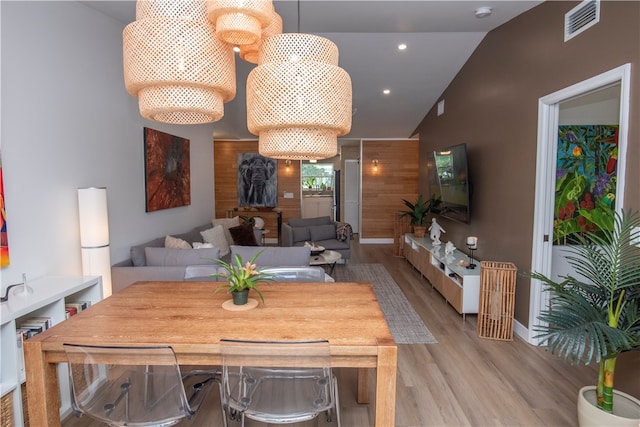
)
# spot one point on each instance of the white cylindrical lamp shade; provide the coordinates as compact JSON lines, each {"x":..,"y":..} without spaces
{"x":94,"y":217}
{"x":298,"y":99}
{"x":97,"y":262}
{"x":472,"y":242}
{"x":94,"y":234}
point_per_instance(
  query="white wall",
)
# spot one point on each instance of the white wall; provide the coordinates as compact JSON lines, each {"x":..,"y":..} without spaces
{"x":67,"y":122}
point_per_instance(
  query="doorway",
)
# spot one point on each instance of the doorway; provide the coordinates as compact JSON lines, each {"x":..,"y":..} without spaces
{"x":549,"y":112}
{"x":352,"y":194}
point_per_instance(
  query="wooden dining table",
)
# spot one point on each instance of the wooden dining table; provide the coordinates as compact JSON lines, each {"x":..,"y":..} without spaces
{"x":189,"y":317}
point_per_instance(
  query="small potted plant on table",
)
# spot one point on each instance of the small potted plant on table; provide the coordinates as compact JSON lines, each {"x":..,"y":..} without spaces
{"x":241,"y":278}
{"x":596,"y":316}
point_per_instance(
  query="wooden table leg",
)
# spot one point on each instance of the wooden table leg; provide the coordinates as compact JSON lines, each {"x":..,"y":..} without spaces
{"x":363,"y":392}
{"x":386,"y":385}
{"x":43,"y":393}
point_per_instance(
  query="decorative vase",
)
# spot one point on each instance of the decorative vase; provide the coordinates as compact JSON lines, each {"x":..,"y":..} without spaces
{"x":240,"y":297}
{"x":419,"y":230}
{"x":626,"y":410}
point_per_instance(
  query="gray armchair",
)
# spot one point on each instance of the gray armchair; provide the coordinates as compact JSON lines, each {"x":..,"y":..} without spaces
{"x":321,"y":231}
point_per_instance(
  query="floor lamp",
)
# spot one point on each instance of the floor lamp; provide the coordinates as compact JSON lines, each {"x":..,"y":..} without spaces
{"x":94,"y":235}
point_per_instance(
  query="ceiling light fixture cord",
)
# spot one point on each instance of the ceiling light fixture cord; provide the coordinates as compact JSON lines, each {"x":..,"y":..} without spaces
{"x":298,"y":16}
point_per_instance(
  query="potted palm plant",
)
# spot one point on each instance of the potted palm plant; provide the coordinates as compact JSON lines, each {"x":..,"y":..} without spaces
{"x":595,"y":315}
{"x":418,"y":212}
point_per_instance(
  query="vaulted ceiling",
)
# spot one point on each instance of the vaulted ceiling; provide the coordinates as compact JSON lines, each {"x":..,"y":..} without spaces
{"x":440,"y":36}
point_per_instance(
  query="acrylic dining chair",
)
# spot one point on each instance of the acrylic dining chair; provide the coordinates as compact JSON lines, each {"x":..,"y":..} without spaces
{"x":134,"y":386}
{"x":278,"y":382}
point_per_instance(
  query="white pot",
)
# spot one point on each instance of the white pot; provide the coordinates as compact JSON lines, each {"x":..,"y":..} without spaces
{"x":626,"y":410}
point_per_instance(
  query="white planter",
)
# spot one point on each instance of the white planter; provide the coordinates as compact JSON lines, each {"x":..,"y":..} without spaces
{"x":626,"y":410}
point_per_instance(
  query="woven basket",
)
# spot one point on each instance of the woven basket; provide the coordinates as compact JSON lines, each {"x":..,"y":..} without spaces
{"x":6,"y":410}
{"x":25,"y":409}
{"x":497,"y":300}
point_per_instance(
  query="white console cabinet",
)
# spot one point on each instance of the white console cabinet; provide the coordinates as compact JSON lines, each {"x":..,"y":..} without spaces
{"x":459,"y":285}
{"x":48,"y":299}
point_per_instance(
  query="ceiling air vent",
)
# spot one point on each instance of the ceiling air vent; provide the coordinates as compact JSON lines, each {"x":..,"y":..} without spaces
{"x":581,"y":17}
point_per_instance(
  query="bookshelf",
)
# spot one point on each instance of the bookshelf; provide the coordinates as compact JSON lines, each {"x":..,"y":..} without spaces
{"x":48,"y":300}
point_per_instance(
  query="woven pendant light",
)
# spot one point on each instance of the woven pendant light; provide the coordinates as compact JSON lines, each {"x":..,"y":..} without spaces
{"x":173,"y":63}
{"x":298,"y":99}
{"x":239,"y":22}
{"x":249,"y":52}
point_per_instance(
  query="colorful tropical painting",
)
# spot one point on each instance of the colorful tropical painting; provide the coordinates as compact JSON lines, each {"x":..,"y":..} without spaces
{"x":4,"y":240}
{"x":586,"y":177}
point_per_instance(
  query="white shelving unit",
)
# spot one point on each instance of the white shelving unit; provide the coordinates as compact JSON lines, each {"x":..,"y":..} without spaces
{"x":459,"y":285}
{"x":47,"y":299}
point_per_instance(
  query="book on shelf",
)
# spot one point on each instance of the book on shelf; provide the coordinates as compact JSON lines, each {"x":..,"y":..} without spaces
{"x":70,"y":311}
{"x":35,"y":325}
{"x":76,"y":307}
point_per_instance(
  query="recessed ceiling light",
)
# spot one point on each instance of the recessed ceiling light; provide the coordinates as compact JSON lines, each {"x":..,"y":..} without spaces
{"x":402,"y":46}
{"x":386,"y":91}
{"x":483,"y":12}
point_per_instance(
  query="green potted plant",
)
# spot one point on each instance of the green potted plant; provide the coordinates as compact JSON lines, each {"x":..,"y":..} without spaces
{"x":595,"y":315}
{"x":241,"y":278}
{"x":418,"y":212}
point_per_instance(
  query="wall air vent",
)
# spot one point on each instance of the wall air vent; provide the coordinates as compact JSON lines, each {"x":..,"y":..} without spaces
{"x":581,"y":17}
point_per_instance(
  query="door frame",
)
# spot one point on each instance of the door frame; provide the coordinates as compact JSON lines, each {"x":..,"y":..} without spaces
{"x":548,"y":111}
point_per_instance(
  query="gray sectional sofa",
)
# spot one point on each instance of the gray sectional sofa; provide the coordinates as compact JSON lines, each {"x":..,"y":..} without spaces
{"x":152,"y":261}
{"x":321,"y":230}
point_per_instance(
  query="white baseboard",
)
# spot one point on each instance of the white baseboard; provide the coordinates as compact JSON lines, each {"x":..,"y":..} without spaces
{"x":375,"y":241}
{"x":520,"y":330}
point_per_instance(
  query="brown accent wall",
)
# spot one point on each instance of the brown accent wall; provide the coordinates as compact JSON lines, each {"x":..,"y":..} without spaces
{"x":384,"y":189}
{"x":492,"y":105}
{"x":225,"y":154}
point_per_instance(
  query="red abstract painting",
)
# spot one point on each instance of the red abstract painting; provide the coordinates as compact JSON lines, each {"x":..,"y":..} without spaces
{"x":167,"y":170}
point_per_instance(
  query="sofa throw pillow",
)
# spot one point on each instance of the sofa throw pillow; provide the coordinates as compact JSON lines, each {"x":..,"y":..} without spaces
{"x":137,"y":252}
{"x":163,"y":257}
{"x":200,"y":245}
{"x":226,"y":224}
{"x":243,"y":235}
{"x":344,"y":231}
{"x":216,"y":237}
{"x":175,"y":243}
{"x":300,"y":234}
{"x":322,"y":232}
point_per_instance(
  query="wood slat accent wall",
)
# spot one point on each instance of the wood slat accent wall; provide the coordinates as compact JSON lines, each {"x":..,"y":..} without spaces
{"x":225,"y":163}
{"x":383,"y":191}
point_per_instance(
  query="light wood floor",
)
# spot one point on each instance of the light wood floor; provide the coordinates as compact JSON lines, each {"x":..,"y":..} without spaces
{"x":462,"y":380}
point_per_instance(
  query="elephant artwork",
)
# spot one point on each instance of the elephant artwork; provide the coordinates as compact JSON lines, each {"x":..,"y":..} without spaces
{"x":257,"y":180}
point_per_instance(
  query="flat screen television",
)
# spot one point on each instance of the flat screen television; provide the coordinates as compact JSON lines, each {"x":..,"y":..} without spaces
{"x":449,"y":179}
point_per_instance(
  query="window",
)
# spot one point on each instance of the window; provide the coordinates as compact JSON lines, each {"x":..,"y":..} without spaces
{"x":317,"y":176}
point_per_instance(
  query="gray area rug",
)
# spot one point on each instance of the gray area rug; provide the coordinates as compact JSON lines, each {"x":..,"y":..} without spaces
{"x":404,"y":323}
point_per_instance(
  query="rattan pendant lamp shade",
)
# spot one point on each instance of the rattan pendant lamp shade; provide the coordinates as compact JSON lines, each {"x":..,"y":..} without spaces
{"x":174,"y":64}
{"x":249,"y":52}
{"x":239,"y":22}
{"x":298,"y":99}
